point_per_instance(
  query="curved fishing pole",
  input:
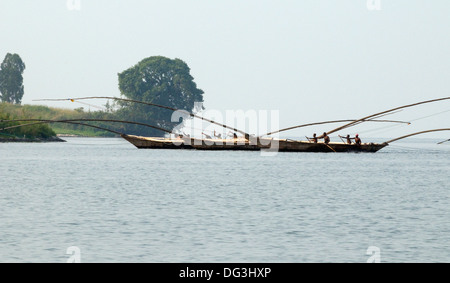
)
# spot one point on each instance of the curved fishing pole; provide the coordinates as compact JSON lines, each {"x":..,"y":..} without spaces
{"x":247,"y":136}
{"x":418,"y":133}
{"x":378,"y":116}
{"x":330,"y":122}
{"x":339,"y":121}
{"x":74,"y":121}
{"x":384,"y":112}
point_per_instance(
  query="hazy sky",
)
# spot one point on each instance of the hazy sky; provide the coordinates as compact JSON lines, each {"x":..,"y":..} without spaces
{"x":312,"y":60}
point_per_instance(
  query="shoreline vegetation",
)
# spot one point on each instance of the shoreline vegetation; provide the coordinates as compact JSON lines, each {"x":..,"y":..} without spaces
{"x":32,"y":140}
{"x":156,"y":79}
{"x":46,"y":132}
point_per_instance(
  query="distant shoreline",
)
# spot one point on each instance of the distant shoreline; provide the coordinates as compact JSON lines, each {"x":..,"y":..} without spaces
{"x":58,"y":138}
{"x":26,"y":140}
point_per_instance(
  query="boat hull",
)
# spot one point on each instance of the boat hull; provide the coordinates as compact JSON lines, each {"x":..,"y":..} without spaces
{"x":252,"y":145}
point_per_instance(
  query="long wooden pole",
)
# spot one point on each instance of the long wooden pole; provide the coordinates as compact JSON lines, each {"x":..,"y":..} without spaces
{"x":330,"y":122}
{"x":418,"y":133}
{"x":47,"y":122}
{"x":42,"y":121}
{"x":383,"y":112}
{"x":330,"y":147}
{"x":247,"y":136}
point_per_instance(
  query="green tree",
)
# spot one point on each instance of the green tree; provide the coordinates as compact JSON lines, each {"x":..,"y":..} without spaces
{"x":158,"y":80}
{"x":11,"y":80}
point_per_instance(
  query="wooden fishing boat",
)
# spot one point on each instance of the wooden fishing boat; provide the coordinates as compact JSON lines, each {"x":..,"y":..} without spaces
{"x":304,"y":146}
{"x":252,"y":143}
{"x":281,"y":145}
{"x":247,"y":142}
{"x":192,"y":143}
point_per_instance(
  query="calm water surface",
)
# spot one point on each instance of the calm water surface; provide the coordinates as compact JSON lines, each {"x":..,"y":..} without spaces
{"x":120,"y":204}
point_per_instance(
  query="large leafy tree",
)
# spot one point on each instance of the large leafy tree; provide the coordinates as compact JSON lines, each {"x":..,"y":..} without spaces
{"x":11,"y":80}
{"x":158,"y":80}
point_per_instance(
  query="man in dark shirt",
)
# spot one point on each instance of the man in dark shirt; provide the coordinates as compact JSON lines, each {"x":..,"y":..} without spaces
{"x":357,"y":140}
{"x":326,"y":138}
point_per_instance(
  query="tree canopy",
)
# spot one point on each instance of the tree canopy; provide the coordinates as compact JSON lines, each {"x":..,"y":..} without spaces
{"x":158,"y":80}
{"x":11,"y":80}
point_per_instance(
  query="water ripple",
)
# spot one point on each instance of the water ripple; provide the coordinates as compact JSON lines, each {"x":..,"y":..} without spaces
{"x":120,"y":204}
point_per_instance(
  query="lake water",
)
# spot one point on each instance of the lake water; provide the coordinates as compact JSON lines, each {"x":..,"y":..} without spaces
{"x":116,"y":203}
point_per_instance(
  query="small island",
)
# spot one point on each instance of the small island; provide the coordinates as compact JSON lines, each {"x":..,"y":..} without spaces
{"x":28,"y":140}
{"x":32,"y":133}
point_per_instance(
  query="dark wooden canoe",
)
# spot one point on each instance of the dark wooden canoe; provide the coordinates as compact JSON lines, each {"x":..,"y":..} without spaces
{"x":282,"y":145}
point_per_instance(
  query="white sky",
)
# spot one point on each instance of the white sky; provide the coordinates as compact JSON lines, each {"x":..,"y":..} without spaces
{"x":313,"y":60}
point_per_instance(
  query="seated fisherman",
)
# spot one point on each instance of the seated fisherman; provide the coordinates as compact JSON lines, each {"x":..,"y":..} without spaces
{"x":349,"y":139}
{"x":326,"y":138}
{"x":207,"y":136}
{"x":357,"y":140}
{"x":313,"y":139}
